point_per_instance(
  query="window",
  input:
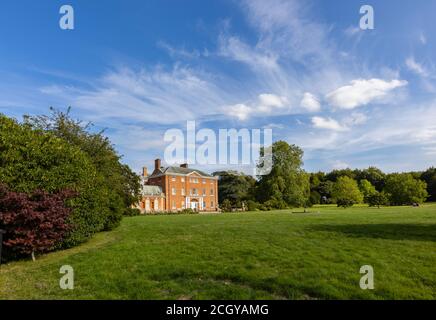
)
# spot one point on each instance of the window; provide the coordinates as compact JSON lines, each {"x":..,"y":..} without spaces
{"x":174,"y":205}
{"x":193,"y":180}
{"x":204,"y":204}
{"x":204,"y":192}
{"x":183,"y":179}
{"x":211,"y":204}
{"x":204,"y":181}
{"x":183,"y":204}
{"x":183,"y":191}
{"x":173,"y":191}
{"x":173,"y":178}
{"x":211,"y":192}
{"x":194,"y":192}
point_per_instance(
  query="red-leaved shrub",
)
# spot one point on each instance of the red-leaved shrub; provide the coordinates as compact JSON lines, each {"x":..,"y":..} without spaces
{"x":34,"y":223}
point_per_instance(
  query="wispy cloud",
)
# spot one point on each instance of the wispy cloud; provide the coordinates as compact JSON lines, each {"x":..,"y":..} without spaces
{"x":416,"y":67}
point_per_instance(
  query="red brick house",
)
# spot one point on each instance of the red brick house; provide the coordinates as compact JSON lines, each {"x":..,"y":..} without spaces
{"x":176,"y":188}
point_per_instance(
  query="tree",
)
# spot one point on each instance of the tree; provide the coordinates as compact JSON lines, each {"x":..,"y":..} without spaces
{"x":287,"y":184}
{"x":367,"y":189}
{"x":316,"y":182}
{"x":429,"y":176}
{"x":226,"y":206}
{"x":34,"y":223}
{"x":377,"y":199}
{"x":326,"y":191}
{"x":234,"y":186}
{"x":374,"y":175}
{"x":403,"y":189}
{"x":336,"y":174}
{"x":118,"y":176}
{"x":54,"y":154}
{"x":119,"y":186}
{"x":346,"y":192}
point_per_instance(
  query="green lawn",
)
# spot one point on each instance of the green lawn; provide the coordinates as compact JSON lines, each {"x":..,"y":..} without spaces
{"x":273,"y":255}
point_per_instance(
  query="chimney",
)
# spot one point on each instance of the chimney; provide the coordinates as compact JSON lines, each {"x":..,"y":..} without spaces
{"x":157,"y":164}
{"x":144,"y":172}
{"x":184,"y":165}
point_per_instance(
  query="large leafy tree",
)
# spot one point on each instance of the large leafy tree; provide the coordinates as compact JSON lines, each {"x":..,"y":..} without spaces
{"x":287,"y":184}
{"x":346,"y":192}
{"x":120,"y":183}
{"x":235,"y":187}
{"x":403,"y":189}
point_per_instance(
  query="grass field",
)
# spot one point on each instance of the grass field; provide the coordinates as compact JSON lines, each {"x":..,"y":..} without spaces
{"x":274,"y":255}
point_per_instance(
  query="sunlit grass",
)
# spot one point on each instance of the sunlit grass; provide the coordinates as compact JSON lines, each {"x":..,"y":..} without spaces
{"x":273,"y":255}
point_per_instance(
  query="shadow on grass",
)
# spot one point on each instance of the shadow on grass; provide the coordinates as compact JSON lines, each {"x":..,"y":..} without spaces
{"x":419,"y":232}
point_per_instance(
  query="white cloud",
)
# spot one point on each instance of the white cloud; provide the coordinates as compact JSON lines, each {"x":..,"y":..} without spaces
{"x":310,"y":102}
{"x":327,"y":123}
{"x":267,"y":104}
{"x":240,"y":111}
{"x":361,"y":92}
{"x":338,"y":165}
{"x":416,"y":67}
{"x":269,"y":101}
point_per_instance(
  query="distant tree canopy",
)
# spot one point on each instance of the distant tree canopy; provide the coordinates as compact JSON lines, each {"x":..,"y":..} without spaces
{"x":235,"y":187}
{"x":429,"y":177}
{"x":288,"y":185}
{"x":55,"y":153}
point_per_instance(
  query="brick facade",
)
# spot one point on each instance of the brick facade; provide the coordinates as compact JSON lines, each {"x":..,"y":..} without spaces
{"x":182,"y":188}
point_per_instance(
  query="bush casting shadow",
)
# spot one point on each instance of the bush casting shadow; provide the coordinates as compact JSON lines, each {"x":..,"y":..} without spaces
{"x":419,"y":232}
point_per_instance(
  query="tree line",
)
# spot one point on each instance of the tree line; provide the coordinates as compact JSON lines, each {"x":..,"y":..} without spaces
{"x":60,"y":183}
{"x":288,"y":185}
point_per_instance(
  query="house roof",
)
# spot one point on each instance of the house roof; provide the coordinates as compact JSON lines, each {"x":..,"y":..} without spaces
{"x":151,"y":190}
{"x":180,"y":171}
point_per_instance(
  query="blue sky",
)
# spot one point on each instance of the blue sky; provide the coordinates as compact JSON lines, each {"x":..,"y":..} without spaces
{"x":348,"y":97}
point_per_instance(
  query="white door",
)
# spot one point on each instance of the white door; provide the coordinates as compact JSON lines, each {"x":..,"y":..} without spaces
{"x":194,"y":205}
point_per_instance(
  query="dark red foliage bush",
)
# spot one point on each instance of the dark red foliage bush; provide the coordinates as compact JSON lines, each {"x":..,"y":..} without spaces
{"x":34,"y":223}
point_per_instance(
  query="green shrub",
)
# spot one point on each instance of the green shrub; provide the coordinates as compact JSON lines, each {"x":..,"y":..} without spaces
{"x":131,"y":212}
{"x":252,"y":205}
{"x":35,"y":157}
{"x":188,"y":211}
{"x":37,"y":160}
{"x":226,"y":206}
